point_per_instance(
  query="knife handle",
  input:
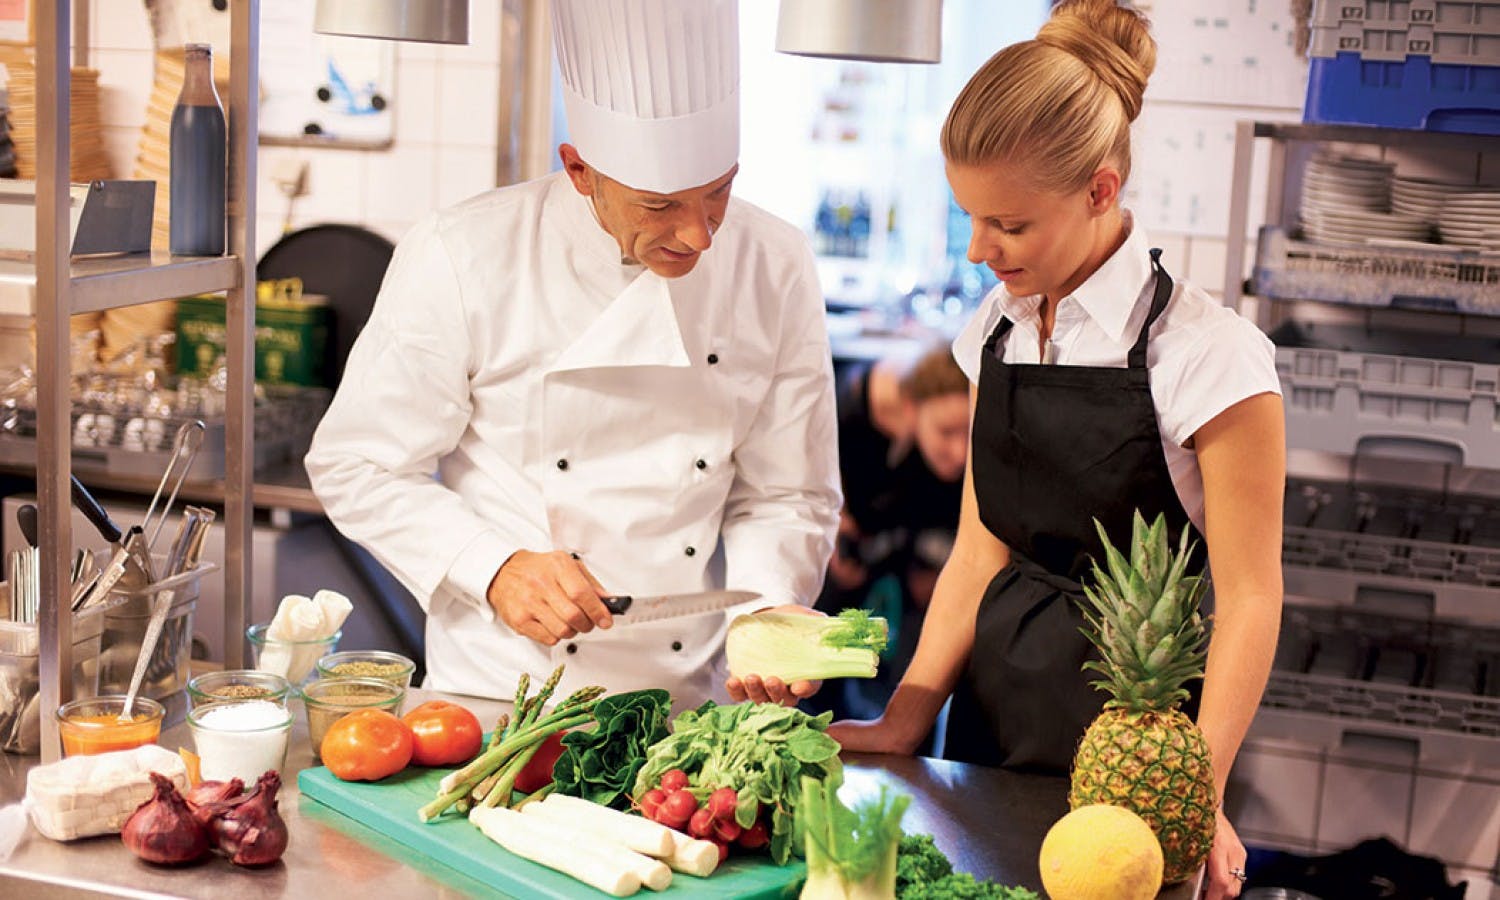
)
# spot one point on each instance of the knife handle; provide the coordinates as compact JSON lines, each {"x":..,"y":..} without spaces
{"x":94,"y":512}
{"x":26,"y":518}
{"x":619,"y":604}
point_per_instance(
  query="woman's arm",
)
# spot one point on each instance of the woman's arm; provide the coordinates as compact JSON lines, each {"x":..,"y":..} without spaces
{"x":1242,"y":456}
{"x":947,"y":638}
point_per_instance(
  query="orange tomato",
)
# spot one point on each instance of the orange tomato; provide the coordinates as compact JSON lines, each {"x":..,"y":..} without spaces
{"x":443,"y":733}
{"x":366,"y":745}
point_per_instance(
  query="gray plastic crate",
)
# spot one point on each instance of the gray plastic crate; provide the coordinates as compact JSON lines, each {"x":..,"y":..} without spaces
{"x":1451,"y":33}
{"x":1385,"y":42}
{"x":1442,"y":278}
{"x":1437,"y":691}
{"x":1410,"y":554}
{"x":1357,"y":391}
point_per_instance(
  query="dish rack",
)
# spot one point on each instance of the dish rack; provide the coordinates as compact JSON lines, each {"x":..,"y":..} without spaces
{"x":115,"y":440}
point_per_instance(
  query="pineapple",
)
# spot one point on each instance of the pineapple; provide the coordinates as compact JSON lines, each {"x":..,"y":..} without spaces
{"x":1142,"y":753}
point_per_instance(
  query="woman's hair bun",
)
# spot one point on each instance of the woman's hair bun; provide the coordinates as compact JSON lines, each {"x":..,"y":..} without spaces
{"x":1113,"y":41}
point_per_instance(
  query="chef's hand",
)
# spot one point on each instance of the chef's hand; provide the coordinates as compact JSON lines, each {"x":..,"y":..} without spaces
{"x":871,"y":736}
{"x":772,"y":689}
{"x":548,"y":597}
{"x":1224,"y":870}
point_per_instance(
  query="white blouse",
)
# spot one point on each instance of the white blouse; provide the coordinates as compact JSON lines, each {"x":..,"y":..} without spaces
{"x":1203,"y":357}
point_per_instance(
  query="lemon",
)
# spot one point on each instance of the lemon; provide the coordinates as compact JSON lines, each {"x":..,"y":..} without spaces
{"x":1101,"y":853}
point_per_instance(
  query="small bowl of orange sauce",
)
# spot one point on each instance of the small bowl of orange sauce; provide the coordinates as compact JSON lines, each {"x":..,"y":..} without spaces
{"x":93,"y":725}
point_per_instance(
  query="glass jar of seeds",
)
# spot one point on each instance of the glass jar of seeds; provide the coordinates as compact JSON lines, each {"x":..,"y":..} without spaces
{"x":387,"y":666}
{"x":329,"y":699}
{"x":238,"y":684}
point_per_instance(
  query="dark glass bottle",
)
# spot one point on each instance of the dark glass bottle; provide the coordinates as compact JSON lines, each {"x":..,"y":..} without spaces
{"x":198,"y":164}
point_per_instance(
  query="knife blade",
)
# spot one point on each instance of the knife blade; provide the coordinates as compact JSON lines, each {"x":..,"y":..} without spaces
{"x":671,"y":606}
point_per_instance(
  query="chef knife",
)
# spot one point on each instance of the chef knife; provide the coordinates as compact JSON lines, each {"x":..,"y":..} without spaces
{"x":671,"y":606}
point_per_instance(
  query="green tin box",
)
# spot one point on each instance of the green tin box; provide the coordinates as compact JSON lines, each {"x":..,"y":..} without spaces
{"x":291,"y":339}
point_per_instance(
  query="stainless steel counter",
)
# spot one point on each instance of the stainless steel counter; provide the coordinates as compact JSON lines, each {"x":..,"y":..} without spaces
{"x":990,"y":823}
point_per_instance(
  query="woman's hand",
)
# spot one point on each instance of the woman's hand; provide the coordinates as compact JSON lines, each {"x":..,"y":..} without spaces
{"x":871,"y":736}
{"x":1224,"y":872}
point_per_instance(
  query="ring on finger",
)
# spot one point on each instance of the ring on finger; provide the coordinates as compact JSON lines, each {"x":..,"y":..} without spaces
{"x":1239,"y":873}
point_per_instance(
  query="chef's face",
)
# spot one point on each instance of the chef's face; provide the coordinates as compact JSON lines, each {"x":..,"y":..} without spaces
{"x":1037,"y":242}
{"x":942,"y":434}
{"x":666,"y":233}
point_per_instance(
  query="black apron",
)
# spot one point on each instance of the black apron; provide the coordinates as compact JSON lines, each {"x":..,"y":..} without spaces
{"x":1054,"y":447}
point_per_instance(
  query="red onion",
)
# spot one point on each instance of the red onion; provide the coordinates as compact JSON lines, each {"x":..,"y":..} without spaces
{"x":162,"y":830}
{"x":248,"y":829}
{"x":201,"y":797}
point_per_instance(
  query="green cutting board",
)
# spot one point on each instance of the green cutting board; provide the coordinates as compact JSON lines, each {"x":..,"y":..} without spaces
{"x":390,"y":807}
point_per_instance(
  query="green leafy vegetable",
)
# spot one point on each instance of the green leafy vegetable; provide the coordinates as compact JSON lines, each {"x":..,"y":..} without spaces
{"x":851,"y":853}
{"x":794,"y":647}
{"x":600,"y":764}
{"x":924,"y":873}
{"x":763,"y":751}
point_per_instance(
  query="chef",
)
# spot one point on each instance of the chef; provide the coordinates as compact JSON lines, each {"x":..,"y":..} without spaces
{"x":614,"y":379}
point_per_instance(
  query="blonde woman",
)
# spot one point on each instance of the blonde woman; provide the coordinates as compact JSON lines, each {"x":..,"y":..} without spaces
{"x":1101,"y":385}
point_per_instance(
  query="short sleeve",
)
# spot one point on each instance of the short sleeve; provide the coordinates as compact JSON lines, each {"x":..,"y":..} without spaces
{"x":968,"y":347}
{"x":1228,"y":361}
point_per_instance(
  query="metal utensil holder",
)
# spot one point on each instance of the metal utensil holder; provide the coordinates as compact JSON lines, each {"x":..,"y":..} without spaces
{"x":20,"y":683}
{"x":169,"y":668}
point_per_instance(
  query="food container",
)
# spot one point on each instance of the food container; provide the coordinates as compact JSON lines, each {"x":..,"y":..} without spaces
{"x":330,"y":699}
{"x":387,"y":666}
{"x":93,"y":725}
{"x":240,"y":739}
{"x":293,"y":660}
{"x":238,"y":684}
{"x":168,"y":671}
{"x":20,"y":680}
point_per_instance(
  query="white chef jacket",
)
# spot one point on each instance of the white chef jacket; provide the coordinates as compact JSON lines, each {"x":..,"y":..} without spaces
{"x":1202,"y":356}
{"x":567,"y":401}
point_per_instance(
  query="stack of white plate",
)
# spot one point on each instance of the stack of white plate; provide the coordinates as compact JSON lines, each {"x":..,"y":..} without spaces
{"x":1472,"y":219}
{"x":1423,"y":198}
{"x":1347,"y":200}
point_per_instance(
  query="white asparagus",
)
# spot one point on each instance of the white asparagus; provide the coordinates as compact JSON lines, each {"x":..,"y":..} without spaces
{"x":691,"y":856}
{"x":635,"y":832}
{"x":556,"y":848}
{"x":653,"y":873}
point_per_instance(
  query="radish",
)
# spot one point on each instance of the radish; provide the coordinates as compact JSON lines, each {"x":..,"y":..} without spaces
{"x":701,"y":825}
{"x":726,"y":830}
{"x":673,"y":780}
{"x":651,"y":802}
{"x":677,"y":808}
{"x":722,"y":803}
{"x":755,"y":837}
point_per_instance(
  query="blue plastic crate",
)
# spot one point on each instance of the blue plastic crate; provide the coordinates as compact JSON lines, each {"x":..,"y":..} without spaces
{"x":1413,"y":94}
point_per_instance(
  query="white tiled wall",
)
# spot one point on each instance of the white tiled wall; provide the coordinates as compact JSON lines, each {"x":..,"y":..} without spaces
{"x":446,"y":128}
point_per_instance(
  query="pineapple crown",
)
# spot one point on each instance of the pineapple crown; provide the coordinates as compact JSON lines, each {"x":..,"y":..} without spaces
{"x":1144,"y":620}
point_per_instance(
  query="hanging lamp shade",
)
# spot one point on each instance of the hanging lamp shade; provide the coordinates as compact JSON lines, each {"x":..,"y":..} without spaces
{"x":426,"y":21}
{"x":907,"y":31}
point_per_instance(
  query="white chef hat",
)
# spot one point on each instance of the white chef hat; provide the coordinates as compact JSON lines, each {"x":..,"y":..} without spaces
{"x":651,"y":88}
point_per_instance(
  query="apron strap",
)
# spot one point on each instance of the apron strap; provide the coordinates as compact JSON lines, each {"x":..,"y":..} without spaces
{"x":1159,"y":298}
{"x":998,"y":334}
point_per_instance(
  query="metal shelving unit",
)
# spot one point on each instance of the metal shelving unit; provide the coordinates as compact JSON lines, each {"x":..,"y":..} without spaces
{"x":64,"y":288}
{"x":1382,"y":681}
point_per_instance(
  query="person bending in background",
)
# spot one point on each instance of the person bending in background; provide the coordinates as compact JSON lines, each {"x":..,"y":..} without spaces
{"x":1102,"y":387}
{"x":903,"y":439}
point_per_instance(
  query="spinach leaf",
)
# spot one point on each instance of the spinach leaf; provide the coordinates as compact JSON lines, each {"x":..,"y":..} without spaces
{"x":600,"y":764}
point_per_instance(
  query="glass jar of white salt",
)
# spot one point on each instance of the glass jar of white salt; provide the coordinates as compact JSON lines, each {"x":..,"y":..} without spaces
{"x":240,"y":739}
